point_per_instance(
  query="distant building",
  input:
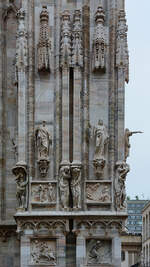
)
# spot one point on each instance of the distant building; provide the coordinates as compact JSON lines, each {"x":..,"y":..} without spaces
{"x":131,"y":250}
{"x":134,"y":208}
{"x":146,"y":235}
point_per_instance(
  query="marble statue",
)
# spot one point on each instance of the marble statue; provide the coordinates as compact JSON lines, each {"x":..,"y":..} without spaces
{"x":127,"y":143}
{"x":43,"y":141}
{"x":76,"y":187}
{"x":122,"y":168}
{"x":64,"y":186}
{"x":21,"y":180}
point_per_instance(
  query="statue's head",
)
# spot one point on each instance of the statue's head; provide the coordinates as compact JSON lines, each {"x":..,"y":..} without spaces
{"x":100,"y":122}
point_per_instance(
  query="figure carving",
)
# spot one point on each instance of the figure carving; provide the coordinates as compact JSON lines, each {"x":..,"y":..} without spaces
{"x":21,"y":43}
{"x":122,"y":168}
{"x":122,"y":56}
{"x":98,"y":192}
{"x":65,"y":45}
{"x":127,"y":143}
{"x":76,"y":185}
{"x":99,"y":251}
{"x":43,"y":166}
{"x":101,"y":140}
{"x":44,"y":193}
{"x":77,"y":49}
{"x":64,"y":186}
{"x":99,"y":42}
{"x":44,"y":45}
{"x":43,"y":141}
{"x":42,"y":253}
{"x":21,"y":180}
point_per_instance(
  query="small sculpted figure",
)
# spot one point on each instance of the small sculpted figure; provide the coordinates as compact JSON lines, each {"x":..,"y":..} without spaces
{"x":43,"y":141}
{"x":120,"y":193}
{"x":127,"y":143}
{"x":94,"y":254}
{"x":64,"y":186}
{"x":105,"y":194}
{"x":101,"y":137}
{"x":76,"y":187}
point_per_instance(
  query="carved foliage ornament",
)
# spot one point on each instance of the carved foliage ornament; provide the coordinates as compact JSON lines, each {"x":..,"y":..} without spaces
{"x":122,"y":56}
{"x":21,"y":43}
{"x":99,"y":42}
{"x":44,"y":45}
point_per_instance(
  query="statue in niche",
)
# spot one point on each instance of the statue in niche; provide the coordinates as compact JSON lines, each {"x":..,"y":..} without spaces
{"x":43,"y":141}
{"x":101,"y":140}
{"x":122,"y":168}
{"x":64,"y":186}
{"x":76,"y":186}
{"x":127,"y":143}
{"x":42,"y":253}
{"x":21,"y":180}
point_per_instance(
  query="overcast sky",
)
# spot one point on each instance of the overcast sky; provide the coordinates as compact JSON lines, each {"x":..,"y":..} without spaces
{"x":137,"y":114}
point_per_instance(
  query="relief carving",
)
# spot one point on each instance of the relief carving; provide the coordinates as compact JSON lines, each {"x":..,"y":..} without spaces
{"x":43,"y":142}
{"x":20,"y":171}
{"x":98,"y":192}
{"x":99,"y":251}
{"x":43,"y":252}
{"x":44,"y":45}
{"x":65,"y":45}
{"x":101,"y":141}
{"x":44,"y":193}
{"x":127,"y":142}
{"x":99,"y":42}
{"x":122,"y":56}
{"x":77,"y":49}
{"x":21,"y":44}
{"x":122,"y":168}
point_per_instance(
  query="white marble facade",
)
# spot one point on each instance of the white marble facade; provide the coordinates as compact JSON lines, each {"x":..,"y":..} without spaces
{"x":62,"y":74}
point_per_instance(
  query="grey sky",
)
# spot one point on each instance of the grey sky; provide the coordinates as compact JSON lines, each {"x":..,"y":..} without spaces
{"x":138,"y":96}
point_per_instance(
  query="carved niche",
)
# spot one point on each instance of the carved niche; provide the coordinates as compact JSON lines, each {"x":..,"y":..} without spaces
{"x":43,"y":142}
{"x":98,"y":192}
{"x":77,"y":45}
{"x":44,"y":193}
{"x":65,"y":44}
{"x":122,"y":168}
{"x":21,"y":44}
{"x":122,"y":55}
{"x":44,"y":45}
{"x":20,"y":171}
{"x":101,"y":140}
{"x":43,"y":252}
{"x":100,"y":41}
{"x":99,"y":252}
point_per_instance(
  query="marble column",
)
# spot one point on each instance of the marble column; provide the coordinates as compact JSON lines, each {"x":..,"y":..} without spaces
{"x":116,"y":251}
{"x":80,"y":250}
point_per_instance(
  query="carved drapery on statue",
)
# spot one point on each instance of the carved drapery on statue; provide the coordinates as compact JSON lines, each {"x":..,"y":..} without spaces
{"x":20,"y":171}
{"x":44,"y":45}
{"x":122,"y":168}
{"x":77,"y":45}
{"x":101,"y":140}
{"x":70,"y":183}
{"x":122,"y":56}
{"x":65,"y":43}
{"x":99,"y":42}
{"x":43,"y":143}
